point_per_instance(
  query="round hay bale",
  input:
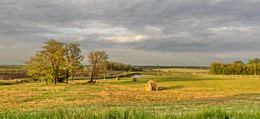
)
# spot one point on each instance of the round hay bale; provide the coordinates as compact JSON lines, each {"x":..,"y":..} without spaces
{"x":134,"y":79}
{"x":151,"y":85}
{"x":117,"y":78}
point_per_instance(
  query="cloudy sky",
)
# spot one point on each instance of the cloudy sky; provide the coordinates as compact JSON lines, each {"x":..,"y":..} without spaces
{"x":138,"y":32}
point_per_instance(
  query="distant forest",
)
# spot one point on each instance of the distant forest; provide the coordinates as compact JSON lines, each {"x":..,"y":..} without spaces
{"x":122,"y":67}
{"x":236,"y":68}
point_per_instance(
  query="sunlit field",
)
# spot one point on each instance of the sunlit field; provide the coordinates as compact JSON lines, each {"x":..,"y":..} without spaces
{"x":178,"y":95}
{"x":129,"y":59}
{"x":197,"y":70}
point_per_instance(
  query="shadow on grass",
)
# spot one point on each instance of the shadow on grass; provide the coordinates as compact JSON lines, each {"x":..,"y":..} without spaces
{"x":171,"y":87}
{"x":250,"y":97}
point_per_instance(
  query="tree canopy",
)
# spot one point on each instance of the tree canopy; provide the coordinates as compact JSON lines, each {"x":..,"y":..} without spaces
{"x":55,"y":61}
{"x":98,"y":63}
{"x":121,"y":67}
{"x":236,"y":68}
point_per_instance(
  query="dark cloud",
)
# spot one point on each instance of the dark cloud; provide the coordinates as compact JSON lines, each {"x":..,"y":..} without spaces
{"x":202,"y":30}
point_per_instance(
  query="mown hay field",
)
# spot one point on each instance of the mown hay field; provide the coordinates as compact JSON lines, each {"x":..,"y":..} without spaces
{"x":177,"y":94}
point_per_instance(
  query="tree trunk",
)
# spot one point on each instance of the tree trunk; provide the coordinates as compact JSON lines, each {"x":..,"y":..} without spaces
{"x":56,"y":75}
{"x":67,"y":76}
{"x":55,"y":80}
{"x":37,"y":78}
{"x":46,"y":81}
{"x":72,"y":77}
{"x":91,"y":77}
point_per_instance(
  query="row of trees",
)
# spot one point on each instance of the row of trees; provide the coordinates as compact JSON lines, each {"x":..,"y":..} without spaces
{"x":56,"y":60}
{"x":236,"y":68}
{"x":122,"y":67}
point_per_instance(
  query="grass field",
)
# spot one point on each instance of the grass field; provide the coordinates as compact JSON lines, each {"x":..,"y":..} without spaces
{"x":185,"y":70}
{"x":179,"y":96}
{"x":11,"y":69}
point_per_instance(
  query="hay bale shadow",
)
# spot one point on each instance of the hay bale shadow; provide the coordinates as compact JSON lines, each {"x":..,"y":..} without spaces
{"x":171,"y":87}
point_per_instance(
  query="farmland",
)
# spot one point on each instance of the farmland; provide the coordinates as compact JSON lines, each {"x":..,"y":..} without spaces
{"x":12,"y":72}
{"x":186,"y":70}
{"x":180,"y":95}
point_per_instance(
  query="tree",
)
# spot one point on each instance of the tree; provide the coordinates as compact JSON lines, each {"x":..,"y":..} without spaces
{"x":121,"y":67}
{"x":213,"y":68}
{"x":55,"y":61}
{"x":37,"y":67}
{"x":216,"y":68}
{"x":250,"y":69}
{"x":238,"y":67}
{"x":54,"y":54}
{"x":255,"y":62}
{"x":72,"y":60}
{"x":97,"y":60}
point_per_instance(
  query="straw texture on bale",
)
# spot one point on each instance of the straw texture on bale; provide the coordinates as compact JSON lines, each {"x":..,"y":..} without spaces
{"x":151,"y":85}
{"x":117,"y":78}
{"x":134,"y":79}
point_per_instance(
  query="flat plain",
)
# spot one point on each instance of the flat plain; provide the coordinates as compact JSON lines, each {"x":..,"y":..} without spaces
{"x":178,"y":95}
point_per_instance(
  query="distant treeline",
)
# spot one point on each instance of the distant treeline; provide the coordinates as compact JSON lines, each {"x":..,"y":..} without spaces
{"x":165,"y":67}
{"x":236,"y":68}
{"x":11,"y":66}
{"x":122,"y":67}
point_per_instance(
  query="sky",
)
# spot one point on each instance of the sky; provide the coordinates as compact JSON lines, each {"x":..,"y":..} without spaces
{"x":136,"y":32}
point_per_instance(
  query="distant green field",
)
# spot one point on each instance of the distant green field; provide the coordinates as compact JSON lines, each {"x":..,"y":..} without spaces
{"x":185,"y":70}
{"x":11,"y":72}
{"x":11,"y":69}
{"x":179,"y":96}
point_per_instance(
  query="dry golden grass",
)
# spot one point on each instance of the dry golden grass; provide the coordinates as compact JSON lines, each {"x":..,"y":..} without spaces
{"x":30,"y":96}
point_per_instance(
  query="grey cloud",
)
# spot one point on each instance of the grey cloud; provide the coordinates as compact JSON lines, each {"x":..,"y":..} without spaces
{"x":203,"y":26}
